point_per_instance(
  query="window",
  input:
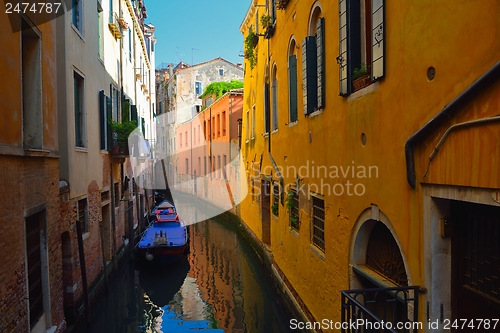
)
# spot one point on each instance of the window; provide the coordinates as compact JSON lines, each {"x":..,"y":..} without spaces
{"x":313,"y":64}
{"x":253,"y":121}
{"x":267,"y":120}
{"x":198,"y":88}
{"x":362,"y":28}
{"x":100,"y":32}
{"x":318,"y":223}
{"x":104,"y":117}
{"x":209,"y":130}
{"x":293,"y":207}
{"x":213,"y":127}
{"x":186,"y":134}
{"x":130,"y":45}
{"x":223,"y":123}
{"x":205,"y":166}
{"x":116,"y":189}
{"x":292,"y":82}
{"x":221,"y":71}
{"x":218,"y":125}
{"x":276,"y":198}
{"x":180,"y":139}
{"x":83,"y":215}
{"x":199,"y":134}
{"x":248,"y":125}
{"x":77,"y":15}
{"x":115,"y":95}
{"x":218,"y":167}
{"x":32,"y":87}
{"x":187,"y":166}
{"x":224,"y":163}
{"x":275,"y":99}
{"x":78,"y":85}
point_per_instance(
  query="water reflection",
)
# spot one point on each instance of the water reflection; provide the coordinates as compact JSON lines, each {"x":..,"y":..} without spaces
{"x":218,"y":287}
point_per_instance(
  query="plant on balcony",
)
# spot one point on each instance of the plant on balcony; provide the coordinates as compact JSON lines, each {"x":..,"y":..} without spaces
{"x":138,"y":76}
{"x":122,"y":131}
{"x":268,"y":24}
{"x":281,"y":4}
{"x":274,"y":209}
{"x":251,"y":41}
{"x":361,"y":77}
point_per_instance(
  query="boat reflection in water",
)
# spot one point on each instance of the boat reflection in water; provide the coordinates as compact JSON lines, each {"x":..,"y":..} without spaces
{"x":219,"y":287}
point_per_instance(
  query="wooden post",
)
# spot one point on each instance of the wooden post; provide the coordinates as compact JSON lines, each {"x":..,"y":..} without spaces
{"x":84,"y":272}
{"x":101,"y":234}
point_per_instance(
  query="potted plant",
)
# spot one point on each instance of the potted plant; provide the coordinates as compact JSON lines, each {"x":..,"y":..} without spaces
{"x":361,"y":77}
{"x":268,"y":24}
{"x":122,"y":132}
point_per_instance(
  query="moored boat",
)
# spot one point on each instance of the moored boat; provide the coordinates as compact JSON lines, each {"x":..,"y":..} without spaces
{"x":166,"y":238}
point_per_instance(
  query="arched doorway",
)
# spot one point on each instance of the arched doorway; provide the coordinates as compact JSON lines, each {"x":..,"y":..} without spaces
{"x":380,"y":284}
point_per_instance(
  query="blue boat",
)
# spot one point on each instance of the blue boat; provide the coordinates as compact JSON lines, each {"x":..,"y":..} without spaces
{"x":165,"y":241}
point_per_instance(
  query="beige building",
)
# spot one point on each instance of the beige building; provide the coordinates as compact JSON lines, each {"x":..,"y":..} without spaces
{"x":105,"y":60}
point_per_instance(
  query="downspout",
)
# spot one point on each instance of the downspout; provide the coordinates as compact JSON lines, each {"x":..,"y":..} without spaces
{"x":447,"y":112}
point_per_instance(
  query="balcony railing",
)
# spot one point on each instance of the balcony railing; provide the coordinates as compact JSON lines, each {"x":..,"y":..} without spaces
{"x":381,"y":310}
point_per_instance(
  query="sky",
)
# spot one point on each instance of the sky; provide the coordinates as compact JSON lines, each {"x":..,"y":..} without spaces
{"x":196,"y":31}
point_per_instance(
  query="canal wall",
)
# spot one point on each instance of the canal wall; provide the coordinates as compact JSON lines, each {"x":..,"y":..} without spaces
{"x":293,"y":303}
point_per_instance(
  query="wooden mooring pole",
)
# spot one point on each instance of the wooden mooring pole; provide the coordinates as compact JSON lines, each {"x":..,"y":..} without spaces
{"x":81,"y":254}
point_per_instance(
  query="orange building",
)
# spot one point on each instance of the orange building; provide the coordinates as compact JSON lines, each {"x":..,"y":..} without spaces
{"x":31,"y":293}
{"x":207,"y":150}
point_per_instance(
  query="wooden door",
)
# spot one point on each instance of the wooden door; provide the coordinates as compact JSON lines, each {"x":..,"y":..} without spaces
{"x":475,"y":264}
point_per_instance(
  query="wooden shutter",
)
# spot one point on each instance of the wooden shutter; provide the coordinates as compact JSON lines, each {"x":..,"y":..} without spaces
{"x":378,"y":39}
{"x":275,"y":104}
{"x":320,"y":53}
{"x":267,"y":119}
{"x":309,"y":68}
{"x":102,"y":119}
{"x":292,"y":86}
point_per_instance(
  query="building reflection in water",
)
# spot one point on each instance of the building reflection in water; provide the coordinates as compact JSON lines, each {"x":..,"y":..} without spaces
{"x":219,"y":287}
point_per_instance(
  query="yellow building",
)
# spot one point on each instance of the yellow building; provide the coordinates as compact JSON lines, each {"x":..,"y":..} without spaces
{"x":371,"y":146}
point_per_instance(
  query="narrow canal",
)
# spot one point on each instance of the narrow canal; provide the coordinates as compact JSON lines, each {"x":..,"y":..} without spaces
{"x":219,"y":286}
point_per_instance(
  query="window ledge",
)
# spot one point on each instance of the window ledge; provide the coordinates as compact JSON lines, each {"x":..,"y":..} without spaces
{"x":78,"y":32}
{"x":316,"y":113}
{"x":292,"y":123}
{"x":320,"y":254}
{"x":364,"y":91}
{"x":294,"y":232}
{"x":373,"y":276}
{"x":81,"y":149}
{"x":274,"y":131}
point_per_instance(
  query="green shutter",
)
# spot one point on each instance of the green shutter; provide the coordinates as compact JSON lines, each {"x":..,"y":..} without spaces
{"x":109,"y":117}
{"x":350,"y":43}
{"x":320,"y":52}
{"x":309,"y":69}
{"x":275,"y":104}
{"x":292,"y":84}
{"x":102,"y":119}
{"x":143,"y":125}
{"x":378,"y":39}
{"x":267,"y":117}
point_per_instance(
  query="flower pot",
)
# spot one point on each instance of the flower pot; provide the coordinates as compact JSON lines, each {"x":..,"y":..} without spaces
{"x":361,"y":82}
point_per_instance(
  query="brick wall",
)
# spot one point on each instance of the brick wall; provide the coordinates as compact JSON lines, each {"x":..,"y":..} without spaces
{"x":26,"y":183}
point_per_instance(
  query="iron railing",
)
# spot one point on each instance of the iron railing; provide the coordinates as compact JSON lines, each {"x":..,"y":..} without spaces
{"x":380,"y":310}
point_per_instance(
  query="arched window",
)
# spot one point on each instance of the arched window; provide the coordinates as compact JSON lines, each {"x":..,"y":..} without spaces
{"x":274,"y":95}
{"x":313,"y":64}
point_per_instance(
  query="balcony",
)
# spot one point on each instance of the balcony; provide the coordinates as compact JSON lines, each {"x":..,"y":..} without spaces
{"x":381,"y":310}
{"x":114,"y":25}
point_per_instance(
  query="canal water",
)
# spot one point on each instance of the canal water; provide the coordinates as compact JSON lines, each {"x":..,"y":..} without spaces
{"x":219,"y":286}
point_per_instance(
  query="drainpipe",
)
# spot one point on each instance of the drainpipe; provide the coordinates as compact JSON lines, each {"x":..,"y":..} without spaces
{"x":447,"y":112}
